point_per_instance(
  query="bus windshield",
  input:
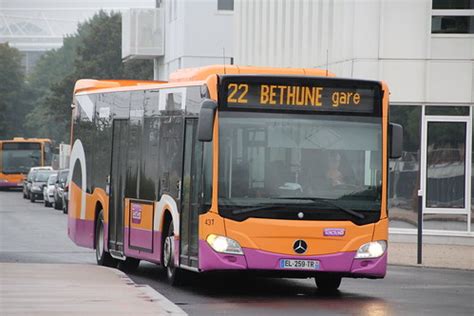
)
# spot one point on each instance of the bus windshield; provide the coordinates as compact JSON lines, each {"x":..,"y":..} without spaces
{"x":281,"y":159}
{"x":20,"y":157}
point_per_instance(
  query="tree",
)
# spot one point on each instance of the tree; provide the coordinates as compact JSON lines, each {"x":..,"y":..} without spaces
{"x":12,"y":105}
{"x":94,"y":52}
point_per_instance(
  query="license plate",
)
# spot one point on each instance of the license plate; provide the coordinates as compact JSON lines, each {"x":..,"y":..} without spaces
{"x":299,"y":264}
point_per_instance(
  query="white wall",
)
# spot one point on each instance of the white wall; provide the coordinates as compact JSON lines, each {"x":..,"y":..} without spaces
{"x":386,"y":40}
{"x":198,"y":36}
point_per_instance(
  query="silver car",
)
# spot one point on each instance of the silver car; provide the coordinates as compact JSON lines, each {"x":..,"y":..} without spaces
{"x":48,"y":190}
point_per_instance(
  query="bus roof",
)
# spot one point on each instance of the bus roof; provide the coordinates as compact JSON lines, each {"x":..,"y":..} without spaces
{"x":201,"y":73}
{"x":92,"y":84}
{"x":26,"y":140}
{"x":198,"y":74}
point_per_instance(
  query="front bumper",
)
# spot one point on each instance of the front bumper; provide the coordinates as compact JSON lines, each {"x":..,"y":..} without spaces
{"x":342,"y":263}
{"x":37,"y":195}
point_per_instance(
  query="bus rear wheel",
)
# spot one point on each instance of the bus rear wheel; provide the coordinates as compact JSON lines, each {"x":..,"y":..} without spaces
{"x":102,"y":257}
{"x":328,"y":283}
{"x":173,"y":273}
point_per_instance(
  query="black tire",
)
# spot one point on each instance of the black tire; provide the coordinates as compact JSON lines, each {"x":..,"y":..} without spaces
{"x":102,"y":257}
{"x":32,"y":198}
{"x":24,"y":195}
{"x":328,"y":283}
{"x":129,"y":264}
{"x":46,"y":203}
{"x":64,"y":208}
{"x":174,"y":274}
{"x":57,"y":206}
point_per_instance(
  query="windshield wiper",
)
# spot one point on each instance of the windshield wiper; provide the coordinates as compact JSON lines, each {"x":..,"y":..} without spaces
{"x":257,"y":207}
{"x":325,"y":201}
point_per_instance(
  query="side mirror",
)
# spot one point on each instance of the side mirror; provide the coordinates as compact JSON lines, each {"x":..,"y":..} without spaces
{"x":395,"y":133}
{"x":206,"y":120}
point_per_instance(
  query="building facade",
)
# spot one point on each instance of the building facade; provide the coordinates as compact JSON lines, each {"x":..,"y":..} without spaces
{"x":185,"y":34}
{"x":424,"y":50}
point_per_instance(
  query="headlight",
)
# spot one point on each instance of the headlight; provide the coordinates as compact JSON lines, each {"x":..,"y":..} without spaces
{"x":35,"y":188}
{"x":224,"y":245}
{"x":373,"y":249}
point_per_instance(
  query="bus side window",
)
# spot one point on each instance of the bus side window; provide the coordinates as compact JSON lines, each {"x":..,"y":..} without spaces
{"x":48,"y":154}
{"x":206,"y":187}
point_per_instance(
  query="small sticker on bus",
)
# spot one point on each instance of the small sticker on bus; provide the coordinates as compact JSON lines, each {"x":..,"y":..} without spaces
{"x":136,"y":213}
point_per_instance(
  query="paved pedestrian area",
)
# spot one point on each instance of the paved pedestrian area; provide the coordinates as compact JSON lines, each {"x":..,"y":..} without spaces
{"x":434,"y":255}
{"x":76,"y":289}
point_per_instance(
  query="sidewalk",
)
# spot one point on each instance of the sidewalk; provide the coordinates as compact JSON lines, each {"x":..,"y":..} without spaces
{"x":76,"y":289}
{"x":402,"y":250}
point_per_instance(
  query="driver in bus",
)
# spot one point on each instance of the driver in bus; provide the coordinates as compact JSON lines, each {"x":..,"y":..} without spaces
{"x":334,"y":173}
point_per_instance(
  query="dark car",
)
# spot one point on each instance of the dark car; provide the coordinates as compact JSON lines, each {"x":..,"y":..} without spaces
{"x":38,"y":182}
{"x":29,"y":179}
{"x":59,"y":189}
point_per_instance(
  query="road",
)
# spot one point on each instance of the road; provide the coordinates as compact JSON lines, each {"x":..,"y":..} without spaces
{"x":35,"y":234}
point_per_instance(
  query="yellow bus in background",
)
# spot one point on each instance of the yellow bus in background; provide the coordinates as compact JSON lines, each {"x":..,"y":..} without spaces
{"x":18,"y":155}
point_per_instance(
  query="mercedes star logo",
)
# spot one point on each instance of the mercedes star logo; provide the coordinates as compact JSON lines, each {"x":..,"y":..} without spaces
{"x":300,"y":246}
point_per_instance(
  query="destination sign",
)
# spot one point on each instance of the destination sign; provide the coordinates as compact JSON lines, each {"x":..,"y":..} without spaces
{"x":301,"y":94}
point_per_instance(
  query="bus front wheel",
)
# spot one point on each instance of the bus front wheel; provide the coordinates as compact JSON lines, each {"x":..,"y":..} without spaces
{"x":328,"y":283}
{"x":102,"y":257}
{"x":173,"y":273}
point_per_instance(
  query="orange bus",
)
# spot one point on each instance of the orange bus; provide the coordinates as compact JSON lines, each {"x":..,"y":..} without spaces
{"x":18,"y":155}
{"x":272,"y":170}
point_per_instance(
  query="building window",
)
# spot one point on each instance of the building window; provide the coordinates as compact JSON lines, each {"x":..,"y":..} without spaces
{"x":452,"y":17}
{"x":452,"y":24}
{"x":404,"y":173}
{"x":225,"y":5}
{"x":453,"y":4}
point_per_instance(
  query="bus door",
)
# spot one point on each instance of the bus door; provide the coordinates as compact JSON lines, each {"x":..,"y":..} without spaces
{"x":117,"y":186}
{"x":191,"y":191}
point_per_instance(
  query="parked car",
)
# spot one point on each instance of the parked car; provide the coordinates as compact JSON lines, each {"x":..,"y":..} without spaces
{"x":65,"y":198}
{"x":48,"y":190}
{"x":29,"y":180}
{"x":59,"y":189}
{"x":38,"y":182}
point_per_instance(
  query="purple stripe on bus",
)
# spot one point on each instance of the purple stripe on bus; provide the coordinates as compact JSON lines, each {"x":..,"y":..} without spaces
{"x":143,"y":239}
{"x":11,"y":184}
{"x":258,"y":259}
{"x":211,"y":260}
{"x":263,"y":260}
{"x":81,"y":231}
{"x":372,"y":267}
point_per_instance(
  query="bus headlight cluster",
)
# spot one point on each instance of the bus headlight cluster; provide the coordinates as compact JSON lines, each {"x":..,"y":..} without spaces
{"x":373,"y":249}
{"x":224,"y":245}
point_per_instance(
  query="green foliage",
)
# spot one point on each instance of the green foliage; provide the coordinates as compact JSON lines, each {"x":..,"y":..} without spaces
{"x":12,"y":88}
{"x":94,"y":52}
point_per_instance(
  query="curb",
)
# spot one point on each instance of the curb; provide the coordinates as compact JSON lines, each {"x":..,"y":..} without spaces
{"x":423,"y":266}
{"x":152,"y":295}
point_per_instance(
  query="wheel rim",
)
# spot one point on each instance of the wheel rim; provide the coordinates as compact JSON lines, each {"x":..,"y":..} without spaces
{"x":100,"y":241}
{"x":167,"y":252}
